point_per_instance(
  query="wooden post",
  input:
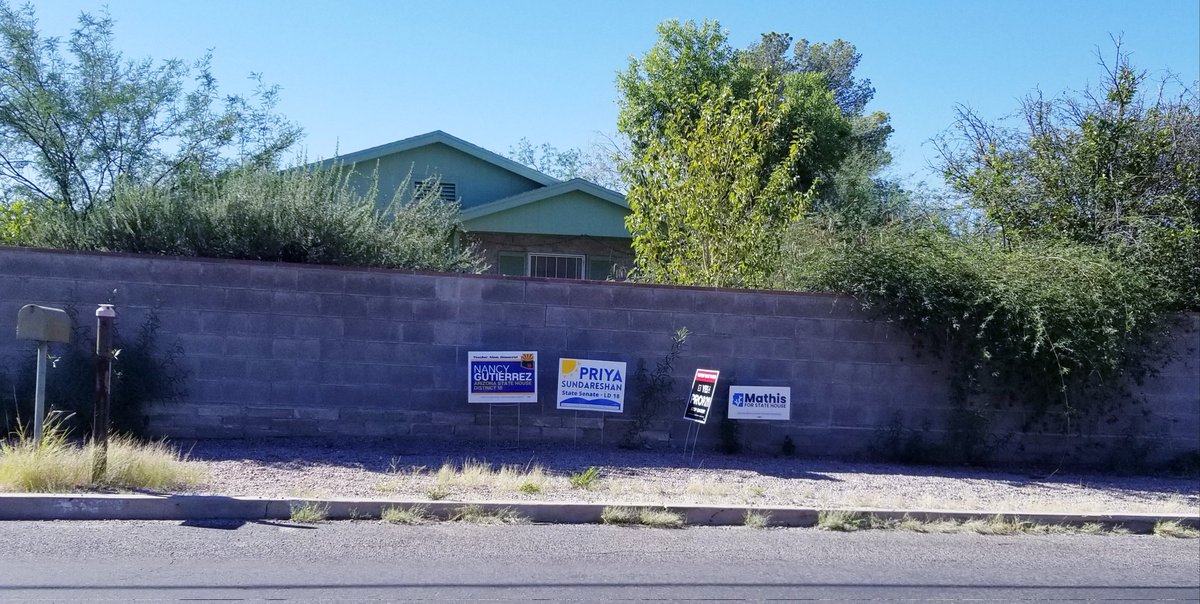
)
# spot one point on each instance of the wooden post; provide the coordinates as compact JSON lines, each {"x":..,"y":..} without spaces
{"x":104,"y":324}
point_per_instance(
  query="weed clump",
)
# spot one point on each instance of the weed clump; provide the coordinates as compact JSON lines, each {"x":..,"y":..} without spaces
{"x":755,"y":519}
{"x":656,"y":518}
{"x":477,"y":514}
{"x":841,"y":520}
{"x":585,"y":479}
{"x":309,"y":512}
{"x":416,"y":514}
{"x":1174,"y":528}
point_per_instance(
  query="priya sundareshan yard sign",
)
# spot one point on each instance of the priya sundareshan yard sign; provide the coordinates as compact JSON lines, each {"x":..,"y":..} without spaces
{"x":760,"y":402}
{"x":502,"y":377}
{"x":586,"y":385}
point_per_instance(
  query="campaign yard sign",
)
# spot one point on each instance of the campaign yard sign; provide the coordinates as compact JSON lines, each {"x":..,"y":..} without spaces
{"x":502,"y":377}
{"x":760,"y":402}
{"x":586,"y":385}
{"x":704,"y":386}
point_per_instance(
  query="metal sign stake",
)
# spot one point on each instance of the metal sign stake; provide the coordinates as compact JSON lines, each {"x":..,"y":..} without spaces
{"x":687,"y":438}
{"x":39,"y":397}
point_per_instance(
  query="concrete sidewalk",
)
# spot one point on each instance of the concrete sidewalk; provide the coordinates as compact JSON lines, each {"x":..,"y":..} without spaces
{"x":38,"y":506}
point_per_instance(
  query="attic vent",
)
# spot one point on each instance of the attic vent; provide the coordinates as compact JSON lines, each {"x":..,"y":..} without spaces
{"x":448,"y":191}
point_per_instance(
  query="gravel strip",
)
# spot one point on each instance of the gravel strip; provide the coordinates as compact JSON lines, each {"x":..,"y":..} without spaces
{"x":364,"y":469}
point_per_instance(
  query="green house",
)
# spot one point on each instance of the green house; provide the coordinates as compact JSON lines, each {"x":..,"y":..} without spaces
{"x":526,"y":222}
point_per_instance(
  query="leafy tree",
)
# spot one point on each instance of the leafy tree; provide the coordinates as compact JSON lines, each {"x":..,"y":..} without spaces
{"x":73,"y":126}
{"x":16,"y":218}
{"x":855,"y":191}
{"x":837,"y":61}
{"x":1113,"y":169}
{"x":668,"y":83}
{"x":711,"y":199}
{"x":725,"y":150}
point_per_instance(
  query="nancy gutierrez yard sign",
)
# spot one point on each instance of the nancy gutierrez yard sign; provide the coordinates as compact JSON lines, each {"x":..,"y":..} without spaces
{"x":704,"y":386}
{"x":760,"y":402}
{"x":502,"y":377}
{"x":585,"y":385}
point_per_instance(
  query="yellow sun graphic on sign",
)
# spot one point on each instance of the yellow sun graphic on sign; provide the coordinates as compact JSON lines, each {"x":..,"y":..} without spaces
{"x":566,"y":366}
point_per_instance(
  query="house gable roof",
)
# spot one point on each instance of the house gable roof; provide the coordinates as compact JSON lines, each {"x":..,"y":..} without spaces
{"x":436,"y":137}
{"x":550,"y":210}
{"x":536,"y":195}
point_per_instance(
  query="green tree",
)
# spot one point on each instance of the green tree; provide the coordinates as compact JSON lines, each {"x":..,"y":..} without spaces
{"x":666,"y":83}
{"x":669,"y":82}
{"x":16,"y":218}
{"x":72,"y":126}
{"x":1113,"y":169}
{"x":725,"y":149}
{"x":855,"y":192}
{"x":711,"y":199}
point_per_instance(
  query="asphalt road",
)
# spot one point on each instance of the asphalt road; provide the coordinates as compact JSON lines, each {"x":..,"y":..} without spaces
{"x":130,"y":561}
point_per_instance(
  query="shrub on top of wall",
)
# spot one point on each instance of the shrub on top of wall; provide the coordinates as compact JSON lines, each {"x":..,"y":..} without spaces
{"x":300,"y":215}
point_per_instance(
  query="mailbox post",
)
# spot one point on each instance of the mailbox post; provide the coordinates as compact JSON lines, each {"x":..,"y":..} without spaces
{"x":44,"y":325}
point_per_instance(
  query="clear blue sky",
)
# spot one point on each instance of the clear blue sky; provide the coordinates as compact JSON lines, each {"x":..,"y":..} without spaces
{"x":360,"y":73}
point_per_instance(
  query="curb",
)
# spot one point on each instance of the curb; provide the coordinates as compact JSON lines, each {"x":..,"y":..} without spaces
{"x":215,"y":507}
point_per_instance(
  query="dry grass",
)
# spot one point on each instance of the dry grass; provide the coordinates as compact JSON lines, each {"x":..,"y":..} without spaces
{"x":1174,"y":528}
{"x":656,"y":518}
{"x":708,"y":488}
{"x":755,"y":519}
{"x":58,"y":465}
{"x":476,"y":514}
{"x":619,"y":515}
{"x":469,"y":476}
{"x":661,"y":518}
{"x":995,"y":525}
{"x":309,"y":512}
{"x":841,"y":520}
{"x":475,"y":474}
{"x":417,"y":514}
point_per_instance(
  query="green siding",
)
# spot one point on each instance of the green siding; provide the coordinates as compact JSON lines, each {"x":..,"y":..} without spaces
{"x":478,"y":182}
{"x":573,"y":213}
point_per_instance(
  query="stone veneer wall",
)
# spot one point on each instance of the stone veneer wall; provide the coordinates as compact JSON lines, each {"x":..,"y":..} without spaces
{"x":294,"y":350}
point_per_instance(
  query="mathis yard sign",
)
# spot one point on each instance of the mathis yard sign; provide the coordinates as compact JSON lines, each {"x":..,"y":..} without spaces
{"x":760,"y":402}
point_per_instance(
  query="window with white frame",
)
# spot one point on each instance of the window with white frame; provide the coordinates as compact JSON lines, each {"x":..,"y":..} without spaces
{"x":556,"y":266}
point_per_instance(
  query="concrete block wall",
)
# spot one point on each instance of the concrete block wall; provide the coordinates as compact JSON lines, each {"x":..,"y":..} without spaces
{"x":295,"y":350}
